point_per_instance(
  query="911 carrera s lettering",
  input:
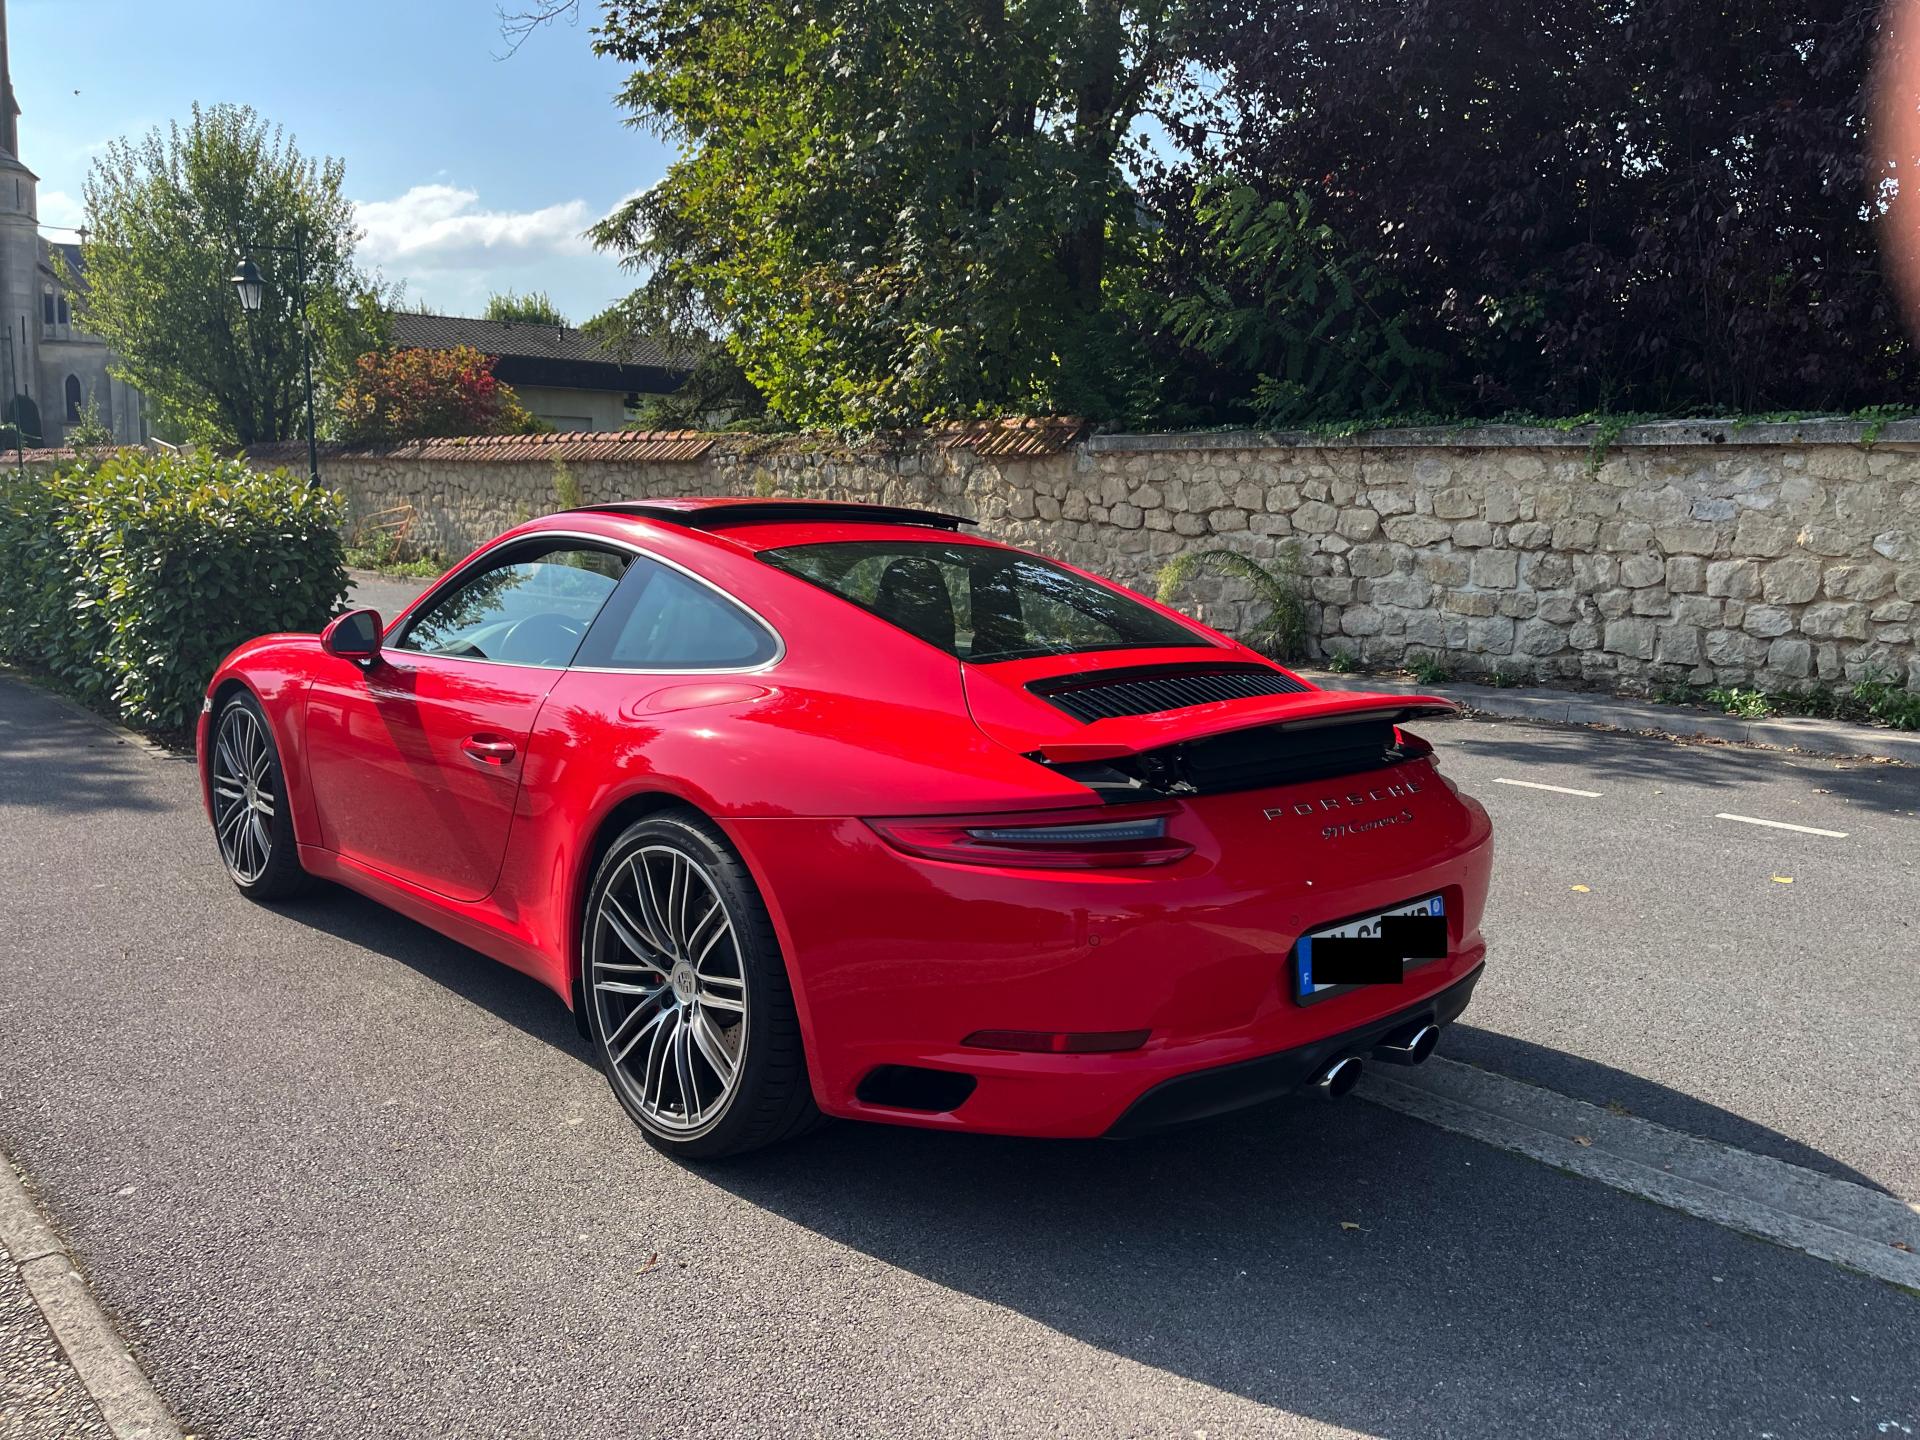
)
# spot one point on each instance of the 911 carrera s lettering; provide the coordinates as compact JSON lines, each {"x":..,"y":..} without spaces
{"x":975,"y":841}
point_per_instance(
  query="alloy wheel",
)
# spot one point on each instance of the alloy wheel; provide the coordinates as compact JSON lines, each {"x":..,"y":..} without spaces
{"x":243,"y":794}
{"x":668,"y":989}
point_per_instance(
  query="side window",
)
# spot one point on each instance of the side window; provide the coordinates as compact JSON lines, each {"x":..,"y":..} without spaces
{"x":663,"y":620}
{"x":531,"y":608}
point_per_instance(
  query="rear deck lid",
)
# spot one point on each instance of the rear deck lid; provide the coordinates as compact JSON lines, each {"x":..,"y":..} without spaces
{"x":1066,"y":710}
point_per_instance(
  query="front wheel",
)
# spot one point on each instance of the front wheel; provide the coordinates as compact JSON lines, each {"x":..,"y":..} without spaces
{"x":252,"y":819}
{"x":687,"y":996}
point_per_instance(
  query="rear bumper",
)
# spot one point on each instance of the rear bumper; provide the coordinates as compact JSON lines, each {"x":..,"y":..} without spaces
{"x":1224,"y":1088}
{"x":895,"y":961}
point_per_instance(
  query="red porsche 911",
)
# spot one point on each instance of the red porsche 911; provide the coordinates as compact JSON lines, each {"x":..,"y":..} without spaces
{"x":818,"y":808}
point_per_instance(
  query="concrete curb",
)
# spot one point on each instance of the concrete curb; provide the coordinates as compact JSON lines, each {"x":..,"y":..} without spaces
{"x":131,"y":1407}
{"x":1562,"y":707}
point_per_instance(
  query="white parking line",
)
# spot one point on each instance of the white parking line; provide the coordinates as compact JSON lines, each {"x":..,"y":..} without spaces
{"x":1557,"y":789}
{"x":1833,"y":1220}
{"x":1783,"y":825}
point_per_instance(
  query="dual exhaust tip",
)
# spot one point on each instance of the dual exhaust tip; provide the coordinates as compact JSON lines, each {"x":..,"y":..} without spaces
{"x":1410,"y":1046}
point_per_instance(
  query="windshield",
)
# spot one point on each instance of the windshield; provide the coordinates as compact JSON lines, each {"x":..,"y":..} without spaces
{"x":980,"y":602}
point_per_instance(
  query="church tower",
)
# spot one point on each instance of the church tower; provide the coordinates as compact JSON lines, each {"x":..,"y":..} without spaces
{"x":19,"y":258}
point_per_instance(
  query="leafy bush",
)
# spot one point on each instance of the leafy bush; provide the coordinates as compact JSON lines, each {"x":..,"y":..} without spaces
{"x":129,"y":579}
{"x":1746,"y":704}
{"x":415,"y":394}
{"x":1282,"y":633}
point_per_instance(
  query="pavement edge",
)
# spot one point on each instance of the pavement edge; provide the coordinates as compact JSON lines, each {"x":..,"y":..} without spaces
{"x":131,"y":1407}
{"x":1565,"y":707}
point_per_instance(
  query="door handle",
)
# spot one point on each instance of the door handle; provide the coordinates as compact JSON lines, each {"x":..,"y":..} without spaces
{"x":489,"y":749}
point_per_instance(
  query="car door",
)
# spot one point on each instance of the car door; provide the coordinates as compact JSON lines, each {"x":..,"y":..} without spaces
{"x":415,"y":758}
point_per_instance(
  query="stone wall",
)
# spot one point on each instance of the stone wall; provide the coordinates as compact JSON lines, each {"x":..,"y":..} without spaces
{"x":1775,"y":555}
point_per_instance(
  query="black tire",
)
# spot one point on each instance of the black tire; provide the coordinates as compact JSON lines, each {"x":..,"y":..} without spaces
{"x":659,"y":999}
{"x":243,"y":770}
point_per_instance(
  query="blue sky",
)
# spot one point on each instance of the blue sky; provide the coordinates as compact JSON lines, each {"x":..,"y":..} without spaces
{"x":473,"y":173}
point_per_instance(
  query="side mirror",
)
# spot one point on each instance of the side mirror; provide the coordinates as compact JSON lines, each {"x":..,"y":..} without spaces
{"x":353,"y":636}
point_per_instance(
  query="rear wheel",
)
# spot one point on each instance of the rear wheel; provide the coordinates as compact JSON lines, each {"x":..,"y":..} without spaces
{"x":252,"y":821}
{"x":686,"y":994}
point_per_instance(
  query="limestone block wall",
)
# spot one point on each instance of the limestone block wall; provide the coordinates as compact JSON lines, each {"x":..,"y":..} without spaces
{"x":1777,"y":555}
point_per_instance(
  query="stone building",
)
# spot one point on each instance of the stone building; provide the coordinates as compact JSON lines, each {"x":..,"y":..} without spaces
{"x":50,"y":369}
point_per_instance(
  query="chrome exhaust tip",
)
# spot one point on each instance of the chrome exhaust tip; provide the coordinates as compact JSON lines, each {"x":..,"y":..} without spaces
{"x":1340,"y":1077}
{"x":1409,"y":1047}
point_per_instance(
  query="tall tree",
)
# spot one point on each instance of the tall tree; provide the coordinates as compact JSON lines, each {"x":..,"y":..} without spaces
{"x":893,"y":211}
{"x":535,"y":307}
{"x":169,"y":216}
{"x":1629,"y":204}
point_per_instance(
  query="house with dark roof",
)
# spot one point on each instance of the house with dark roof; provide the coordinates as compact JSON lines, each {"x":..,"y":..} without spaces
{"x":561,"y":374}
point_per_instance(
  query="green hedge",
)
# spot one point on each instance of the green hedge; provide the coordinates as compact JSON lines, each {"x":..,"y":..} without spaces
{"x":128,"y":579}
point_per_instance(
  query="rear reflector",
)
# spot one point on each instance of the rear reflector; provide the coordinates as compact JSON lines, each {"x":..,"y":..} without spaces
{"x":1058,"y":1042}
{"x":1105,"y":837}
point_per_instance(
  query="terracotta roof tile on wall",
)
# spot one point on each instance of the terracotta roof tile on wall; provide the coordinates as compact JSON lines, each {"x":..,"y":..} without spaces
{"x":629,"y":445}
{"x":1013,"y":439}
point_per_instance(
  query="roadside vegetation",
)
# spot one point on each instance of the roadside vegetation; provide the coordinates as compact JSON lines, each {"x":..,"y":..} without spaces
{"x":165,"y":214}
{"x":127,"y":578}
{"x":1182,"y":215}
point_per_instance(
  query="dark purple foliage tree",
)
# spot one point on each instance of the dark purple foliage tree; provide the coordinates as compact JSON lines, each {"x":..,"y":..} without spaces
{"x":1660,"y":205}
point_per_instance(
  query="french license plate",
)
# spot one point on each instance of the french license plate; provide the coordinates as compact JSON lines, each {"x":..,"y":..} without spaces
{"x":1342,"y":963}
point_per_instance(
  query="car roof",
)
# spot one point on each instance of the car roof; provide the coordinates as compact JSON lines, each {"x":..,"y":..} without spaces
{"x":754,"y":523}
{"x":713,"y":512}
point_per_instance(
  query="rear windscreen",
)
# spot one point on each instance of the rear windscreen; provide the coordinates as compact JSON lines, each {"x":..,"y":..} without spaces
{"x":980,"y":602}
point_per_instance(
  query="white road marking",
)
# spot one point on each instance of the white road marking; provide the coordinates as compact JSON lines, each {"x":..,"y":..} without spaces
{"x":1557,"y":789}
{"x":1833,"y":1220}
{"x":1783,"y":825}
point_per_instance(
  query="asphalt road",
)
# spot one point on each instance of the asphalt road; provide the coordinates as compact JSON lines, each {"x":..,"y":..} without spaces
{"x":339,"y":1177}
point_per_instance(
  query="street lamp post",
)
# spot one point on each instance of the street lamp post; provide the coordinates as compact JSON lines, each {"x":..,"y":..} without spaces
{"x":253,"y":291}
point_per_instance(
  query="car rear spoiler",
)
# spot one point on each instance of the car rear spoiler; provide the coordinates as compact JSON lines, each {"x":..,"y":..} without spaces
{"x":1122,"y":736}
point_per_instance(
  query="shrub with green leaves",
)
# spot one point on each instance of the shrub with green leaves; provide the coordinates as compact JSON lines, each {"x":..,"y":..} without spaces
{"x":135,"y":575}
{"x":1282,"y":632}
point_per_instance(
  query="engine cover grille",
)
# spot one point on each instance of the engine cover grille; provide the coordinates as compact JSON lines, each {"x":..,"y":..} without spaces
{"x":1147,"y":690}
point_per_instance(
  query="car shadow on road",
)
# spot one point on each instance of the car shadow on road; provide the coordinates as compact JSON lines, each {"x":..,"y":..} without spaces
{"x":55,"y":757}
{"x":1341,"y":1262}
{"x":1639,"y":760}
{"x":1355,"y":1266}
{"x":518,"y":999}
{"x":1606,"y":1085}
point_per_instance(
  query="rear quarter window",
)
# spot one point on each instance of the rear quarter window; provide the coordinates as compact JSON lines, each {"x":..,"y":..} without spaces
{"x":982,"y":603}
{"x":660,"y":619}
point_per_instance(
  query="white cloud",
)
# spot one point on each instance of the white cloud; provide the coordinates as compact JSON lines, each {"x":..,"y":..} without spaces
{"x":61,"y":211}
{"x":443,"y":227}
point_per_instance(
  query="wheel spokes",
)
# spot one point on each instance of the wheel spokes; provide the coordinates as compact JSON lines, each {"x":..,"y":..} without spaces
{"x":630,"y":934}
{"x":673,"y":1019}
{"x":713,"y":1048}
{"x":243,"y":800}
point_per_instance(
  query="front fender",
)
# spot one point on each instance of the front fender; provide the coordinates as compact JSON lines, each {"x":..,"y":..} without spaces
{"x":277,"y":669}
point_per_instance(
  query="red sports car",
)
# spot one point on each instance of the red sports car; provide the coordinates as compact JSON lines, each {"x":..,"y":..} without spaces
{"x":810,"y":808}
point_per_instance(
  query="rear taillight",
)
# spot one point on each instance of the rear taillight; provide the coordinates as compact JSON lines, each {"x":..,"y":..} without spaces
{"x":1111,"y":837}
{"x":1411,"y":746}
